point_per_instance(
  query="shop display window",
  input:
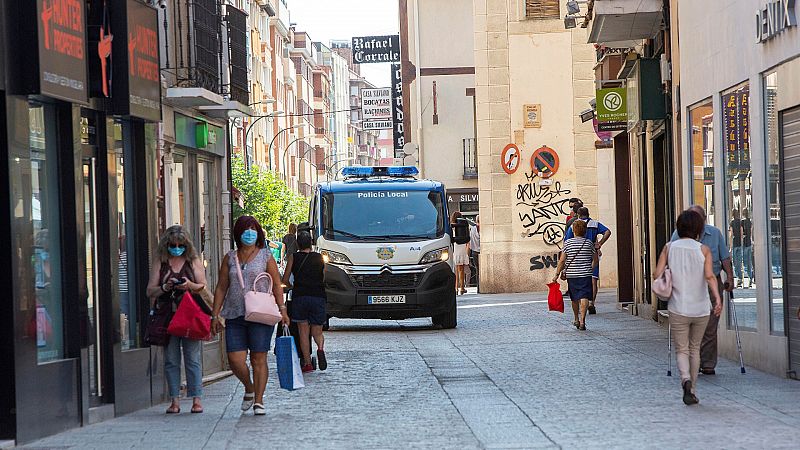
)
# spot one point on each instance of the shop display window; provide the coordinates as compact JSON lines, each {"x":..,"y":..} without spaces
{"x":739,"y":203}
{"x":46,"y":216}
{"x":701,"y":118}
{"x":775,"y":227}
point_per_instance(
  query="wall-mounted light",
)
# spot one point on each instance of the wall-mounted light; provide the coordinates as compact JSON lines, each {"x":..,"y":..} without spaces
{"x":569,"y":21}
{"x":573,"y":6}
{"x":587,"y":115}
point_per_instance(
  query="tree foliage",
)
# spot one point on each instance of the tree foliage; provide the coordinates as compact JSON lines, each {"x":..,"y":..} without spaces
{"x":267,"y":198}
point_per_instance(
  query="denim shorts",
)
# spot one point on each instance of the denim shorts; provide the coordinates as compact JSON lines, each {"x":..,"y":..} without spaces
{"x":309,"y":309}
{"x":241,"y":335}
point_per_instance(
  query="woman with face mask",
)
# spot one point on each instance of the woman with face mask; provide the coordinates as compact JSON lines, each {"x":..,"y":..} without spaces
{"x":177,"y":269}
{"x":252,"y":257}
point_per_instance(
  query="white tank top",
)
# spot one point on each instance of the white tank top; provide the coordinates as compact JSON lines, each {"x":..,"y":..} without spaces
{"x":689,"y":287}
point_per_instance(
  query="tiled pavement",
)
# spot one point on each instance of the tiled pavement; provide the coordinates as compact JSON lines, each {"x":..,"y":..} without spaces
{"x":512,"y":375}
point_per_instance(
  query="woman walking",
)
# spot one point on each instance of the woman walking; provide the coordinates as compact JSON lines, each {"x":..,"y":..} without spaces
{"x":289,"y":242}
{"x":178,"y":269}
{"x":692,"y":269}
{"x":460,"y":258}
{"x":577,"y":262}
{"x":251,"y":258}
{"x":308,"y":299}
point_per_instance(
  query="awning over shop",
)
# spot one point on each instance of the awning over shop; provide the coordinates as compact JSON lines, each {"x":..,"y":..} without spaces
{"x":621,"y":20}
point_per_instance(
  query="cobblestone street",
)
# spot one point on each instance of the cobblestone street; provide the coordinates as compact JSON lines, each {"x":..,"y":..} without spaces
{"x":512,"y":375}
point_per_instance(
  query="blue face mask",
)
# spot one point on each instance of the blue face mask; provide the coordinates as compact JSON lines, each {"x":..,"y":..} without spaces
{"x":177,"y":251}
{"x":249,"y":237}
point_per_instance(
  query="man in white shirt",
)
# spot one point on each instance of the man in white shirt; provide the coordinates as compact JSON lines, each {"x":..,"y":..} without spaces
{"x":475,"y":249}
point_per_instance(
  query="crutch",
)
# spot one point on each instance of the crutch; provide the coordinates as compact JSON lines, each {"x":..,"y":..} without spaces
{"x":665,"y":314}
{"x":736,"y":327}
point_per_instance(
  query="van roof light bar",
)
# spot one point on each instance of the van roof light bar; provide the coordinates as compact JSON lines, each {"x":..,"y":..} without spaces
{"x":393,"y":171}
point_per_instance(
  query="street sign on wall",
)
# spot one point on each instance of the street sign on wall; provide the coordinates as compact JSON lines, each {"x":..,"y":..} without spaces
{"x":376,"y":49}
{"x":376,"y":103}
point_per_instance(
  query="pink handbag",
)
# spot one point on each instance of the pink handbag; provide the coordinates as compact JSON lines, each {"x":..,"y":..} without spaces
{"x":259,"y":307}
{"x":662,"y":286}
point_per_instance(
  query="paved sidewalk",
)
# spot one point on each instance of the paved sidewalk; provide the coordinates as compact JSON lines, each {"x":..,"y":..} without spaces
{"x":512,"y":375}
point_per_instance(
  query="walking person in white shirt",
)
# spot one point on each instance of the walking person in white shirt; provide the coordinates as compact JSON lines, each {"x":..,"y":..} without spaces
{"x":475,"y":249}
{"x":692,"y":267}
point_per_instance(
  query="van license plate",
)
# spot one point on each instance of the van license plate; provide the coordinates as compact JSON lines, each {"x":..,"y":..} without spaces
{"x":380,"y":299}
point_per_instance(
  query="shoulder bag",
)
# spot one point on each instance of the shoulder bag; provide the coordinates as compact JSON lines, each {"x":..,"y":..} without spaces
{"x":662,"y":286}
{"x":259,"y":307}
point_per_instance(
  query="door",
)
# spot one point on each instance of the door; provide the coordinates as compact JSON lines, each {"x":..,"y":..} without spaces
{"x":790,"y":148}
{"x":207,"y":239}
{"x":98,"y":349}
{"x":625,"y":253}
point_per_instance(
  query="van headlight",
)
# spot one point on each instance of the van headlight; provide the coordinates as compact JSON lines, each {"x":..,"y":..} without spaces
{"x":442,"y":254}
{"x":335,"y":257}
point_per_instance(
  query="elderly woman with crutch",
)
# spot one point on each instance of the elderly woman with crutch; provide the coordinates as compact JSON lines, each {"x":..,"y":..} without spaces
{"x":691,"y":267}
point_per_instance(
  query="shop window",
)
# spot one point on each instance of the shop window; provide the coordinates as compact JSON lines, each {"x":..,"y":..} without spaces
{"x":179,"y":191}
{"x":46,"y":252}
{"x":774,"y":194}
{"x":739,"y":202}
{"x":701,"y":118}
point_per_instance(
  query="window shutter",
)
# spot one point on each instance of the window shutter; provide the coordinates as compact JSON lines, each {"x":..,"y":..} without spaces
{"x":542,"y":9}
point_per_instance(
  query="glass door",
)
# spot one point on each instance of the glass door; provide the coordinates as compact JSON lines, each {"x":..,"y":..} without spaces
{"x":93,"y":305}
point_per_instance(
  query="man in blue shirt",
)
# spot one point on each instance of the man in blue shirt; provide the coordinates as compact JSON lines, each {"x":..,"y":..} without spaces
{"x":715,"y":241}
{"x":593,"y":230}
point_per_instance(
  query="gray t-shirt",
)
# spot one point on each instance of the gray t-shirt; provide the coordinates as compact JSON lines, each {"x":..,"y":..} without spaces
{"x":234,"y":298}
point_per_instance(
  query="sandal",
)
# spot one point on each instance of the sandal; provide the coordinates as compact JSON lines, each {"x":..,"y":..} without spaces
{"x":577,"y":325}
{"x":582,"y":327}
{"x":259,"y":410}
{"x":173,"y":409}
{"x":197,"y":409}
{"x":248,"y":400}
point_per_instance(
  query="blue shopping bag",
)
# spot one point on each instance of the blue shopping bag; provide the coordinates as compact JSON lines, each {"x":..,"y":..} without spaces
{"x":290,"y":374}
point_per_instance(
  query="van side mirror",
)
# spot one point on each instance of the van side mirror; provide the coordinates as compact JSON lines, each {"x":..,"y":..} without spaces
{"x":305,"y":226}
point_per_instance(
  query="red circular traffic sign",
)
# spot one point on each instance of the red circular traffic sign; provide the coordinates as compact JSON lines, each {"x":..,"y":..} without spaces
{"x":510,"y":158}
{"x":545,"y":161}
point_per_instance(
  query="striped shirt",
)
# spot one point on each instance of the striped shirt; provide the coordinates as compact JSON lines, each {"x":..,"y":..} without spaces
{"x":580,"y":256}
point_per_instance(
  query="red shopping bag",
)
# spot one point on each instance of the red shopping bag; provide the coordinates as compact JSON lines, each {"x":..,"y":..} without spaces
{"x":190,"y":321}
{"x":555,"y":301}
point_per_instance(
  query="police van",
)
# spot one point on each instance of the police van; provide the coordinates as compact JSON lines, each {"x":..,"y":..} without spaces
{"x":385,"y":238}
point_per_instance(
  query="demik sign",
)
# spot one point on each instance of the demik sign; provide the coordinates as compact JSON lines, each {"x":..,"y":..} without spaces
{"x":774,"y":18}
{"x":376,"y":49}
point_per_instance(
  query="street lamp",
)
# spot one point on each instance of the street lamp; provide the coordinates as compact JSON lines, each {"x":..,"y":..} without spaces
{"x":269,"y":149}
{"x":250,"y":127}
{"x":283,"y":158}
{"x":337,"y":170}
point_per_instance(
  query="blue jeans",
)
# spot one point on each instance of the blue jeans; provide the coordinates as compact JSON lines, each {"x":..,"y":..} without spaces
{"x":192,"y":356}
{"x":742,"y":259}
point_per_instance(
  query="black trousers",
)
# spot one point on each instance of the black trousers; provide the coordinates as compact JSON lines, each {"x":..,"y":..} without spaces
{"x":475,"y":262}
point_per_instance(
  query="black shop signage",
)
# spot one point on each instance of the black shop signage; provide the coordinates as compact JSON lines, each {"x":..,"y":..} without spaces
{"x":135,"y":80}
{"x":397,"y":111}
{"x":376,"y":49}
{"x":61,"y":31}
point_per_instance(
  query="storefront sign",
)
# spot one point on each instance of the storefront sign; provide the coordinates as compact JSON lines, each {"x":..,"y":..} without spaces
{"x":611,"y":105}
{"x":376,"y":103}
{"x":376,"y":49}
{"x":374,"y":125}
{"x":532,"y":115}
{"x":62,"y":49}
{"x":463,"y":200}
{"x":736,"y":117}
{"x":774,"y":18}
{"x":136,"y":82}
{"x":397,"y":111}
{"x":198,"y":134}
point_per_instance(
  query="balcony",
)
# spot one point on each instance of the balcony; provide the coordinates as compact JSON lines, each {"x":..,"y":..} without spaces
{"x":305,"y":189}
{"x":470,"y":158}
{"x":625,"y":20}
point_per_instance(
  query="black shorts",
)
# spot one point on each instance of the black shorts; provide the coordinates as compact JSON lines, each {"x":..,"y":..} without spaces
{"x":309,"y":309}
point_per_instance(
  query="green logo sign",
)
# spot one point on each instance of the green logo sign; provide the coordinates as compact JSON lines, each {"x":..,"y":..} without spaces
{"x":612,"y":105}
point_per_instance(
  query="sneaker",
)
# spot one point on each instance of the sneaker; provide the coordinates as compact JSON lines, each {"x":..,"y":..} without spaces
{"x":708,"y":371}
{"x":308,"y":368}
{"x":688,"y":397}
{"x":321,"y":360}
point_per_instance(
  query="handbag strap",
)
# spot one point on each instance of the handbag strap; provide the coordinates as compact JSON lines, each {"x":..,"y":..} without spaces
{"x":260,"y":276}
{"x":238,"y":269}
{"x":566,"y":265}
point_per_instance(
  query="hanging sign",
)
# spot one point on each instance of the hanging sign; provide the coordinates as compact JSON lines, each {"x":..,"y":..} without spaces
{"x":376,"y":49}
{"x":612,"y":105}
{"x":376,"y":103}
{"x":397,"y":111}
{"x":62,"y":49}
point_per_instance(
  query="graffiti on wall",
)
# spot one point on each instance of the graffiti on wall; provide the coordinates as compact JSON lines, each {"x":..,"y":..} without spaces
{"x":544,"y":262}
{"x":542,"y":208}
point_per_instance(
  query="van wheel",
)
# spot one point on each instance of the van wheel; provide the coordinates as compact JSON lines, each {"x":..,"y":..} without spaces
{"x":447,"y":320}
{"x":327,"y":325}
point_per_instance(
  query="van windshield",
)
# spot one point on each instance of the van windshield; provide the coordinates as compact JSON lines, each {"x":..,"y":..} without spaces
{"x":381,"y":215}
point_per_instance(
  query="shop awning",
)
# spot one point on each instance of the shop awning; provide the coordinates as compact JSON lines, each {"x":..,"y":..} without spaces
{"x":621,"y":20}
